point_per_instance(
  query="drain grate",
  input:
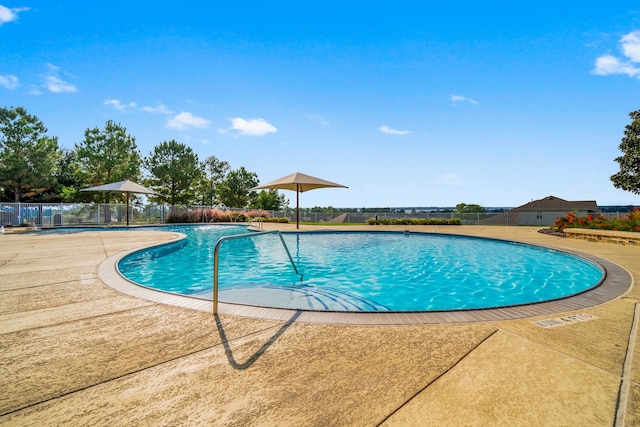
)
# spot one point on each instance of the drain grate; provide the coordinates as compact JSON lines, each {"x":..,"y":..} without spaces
{"x":565,"y":320}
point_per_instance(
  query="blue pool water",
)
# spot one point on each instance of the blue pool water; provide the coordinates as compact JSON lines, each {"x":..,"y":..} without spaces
{"x":361,"y":271}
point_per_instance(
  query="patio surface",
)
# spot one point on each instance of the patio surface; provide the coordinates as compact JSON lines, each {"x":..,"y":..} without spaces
{"x":75,"y":351}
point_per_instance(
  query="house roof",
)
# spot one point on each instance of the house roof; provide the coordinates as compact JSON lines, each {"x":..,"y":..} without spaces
{"x":552,"y":203}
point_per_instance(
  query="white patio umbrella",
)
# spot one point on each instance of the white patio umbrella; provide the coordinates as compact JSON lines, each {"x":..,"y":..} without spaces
{"x":126,"y":186}
{"x":299,"y":183}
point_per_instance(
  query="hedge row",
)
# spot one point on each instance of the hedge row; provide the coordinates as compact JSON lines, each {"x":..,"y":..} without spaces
{"x":415,"y":221}
{"x":630,"y":222}
{"x":217,"y":215}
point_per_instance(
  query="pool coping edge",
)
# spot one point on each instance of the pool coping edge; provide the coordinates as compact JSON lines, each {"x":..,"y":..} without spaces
{"x":618,"y":281}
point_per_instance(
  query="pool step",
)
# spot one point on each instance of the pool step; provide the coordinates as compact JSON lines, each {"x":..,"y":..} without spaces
{"x":296,"y":297}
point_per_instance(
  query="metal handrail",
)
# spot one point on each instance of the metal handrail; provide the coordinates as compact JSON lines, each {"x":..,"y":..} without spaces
{"x":257,"y":219}
{"x":240,"y":236}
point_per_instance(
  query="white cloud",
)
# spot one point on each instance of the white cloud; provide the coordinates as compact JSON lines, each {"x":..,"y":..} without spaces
{"x":631,"y":46}
{"x":609,"y":64}
{"x":53,"y":82}
{"x":184,"y":120}
{"x":9,"y":81}
{"x":161,"y":108}
{"x":8,"y":15}
{"x":389,"y":131}
{"x":458,"y":98}
{"x":118,"y":105}
{"x":56,"y":85}
{"x":250,"y":127}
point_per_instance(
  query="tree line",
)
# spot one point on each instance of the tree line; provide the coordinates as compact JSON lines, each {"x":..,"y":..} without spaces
{"x":34,"y":168}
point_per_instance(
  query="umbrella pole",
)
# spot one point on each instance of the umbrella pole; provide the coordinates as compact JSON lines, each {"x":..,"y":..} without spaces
{"x":127,"y":208}
{"x":297,"y":206}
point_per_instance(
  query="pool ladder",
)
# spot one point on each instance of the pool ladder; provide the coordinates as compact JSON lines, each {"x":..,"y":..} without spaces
{"x":257,"y":219}
{"x":241,"y":236}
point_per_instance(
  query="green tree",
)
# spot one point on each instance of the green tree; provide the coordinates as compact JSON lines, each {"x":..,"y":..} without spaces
{"x":234,"y":191}
{"x":628,"y":178}
{"x":65,"y":186}
{"x":469,"y":208}
{"x":269,"y":200}
{"x":108,"y":155}
{"x":28,"y":157}
{"x":175,"y":173}
{"x":214,"y":172}
{"x":68,"y":178}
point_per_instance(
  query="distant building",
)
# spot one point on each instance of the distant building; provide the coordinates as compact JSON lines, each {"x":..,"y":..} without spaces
{"x":545,"y":211}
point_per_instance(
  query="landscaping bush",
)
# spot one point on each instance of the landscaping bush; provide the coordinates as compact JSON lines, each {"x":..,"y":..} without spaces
{"x":213,"y":215}
{"x":631,"y":222}
{"x":414,"y":221}
{"x":276,"y":220}
{"x":184,"y":217}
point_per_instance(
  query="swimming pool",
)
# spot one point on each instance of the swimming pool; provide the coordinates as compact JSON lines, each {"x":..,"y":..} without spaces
{"x":361,"y":271}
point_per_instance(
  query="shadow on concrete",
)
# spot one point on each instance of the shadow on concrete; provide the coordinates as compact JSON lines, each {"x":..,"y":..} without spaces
{"x":229,"y":353}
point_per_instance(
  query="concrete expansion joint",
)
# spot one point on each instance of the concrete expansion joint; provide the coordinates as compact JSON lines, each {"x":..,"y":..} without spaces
{"x":73,"y":321}
{"x":16,"y":256}
{"x":625,"y":384}
{"x":40,"y":285}
{"x":107,"y":381}
{"x":104,"y":246}
{"x":555,"y":350}
{"x":223,"y":343}
{"x":442,"y":374}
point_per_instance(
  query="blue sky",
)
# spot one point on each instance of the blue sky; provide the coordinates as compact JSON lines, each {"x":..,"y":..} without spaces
{"x":407,"y":103}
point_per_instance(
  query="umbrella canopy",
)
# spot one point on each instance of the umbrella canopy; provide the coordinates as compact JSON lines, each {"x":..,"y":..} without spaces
{"x":299,"y":183}
{"x":120,"y":187}
{"x":126,"y":186}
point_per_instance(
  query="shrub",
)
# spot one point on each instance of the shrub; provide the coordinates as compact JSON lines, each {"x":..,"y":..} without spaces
{"x":276,"y":220}
{"x":215,"y":215}
{"x":414,"y":221}
{"x":631,"y":222}
{"x":184,"y":217}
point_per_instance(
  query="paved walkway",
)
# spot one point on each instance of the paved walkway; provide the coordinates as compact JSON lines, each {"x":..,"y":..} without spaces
{"x":74,"y":351}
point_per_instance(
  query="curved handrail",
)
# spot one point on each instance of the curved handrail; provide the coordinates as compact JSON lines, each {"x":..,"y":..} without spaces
{"x":257,"y":219}
{"x":240,"y":236}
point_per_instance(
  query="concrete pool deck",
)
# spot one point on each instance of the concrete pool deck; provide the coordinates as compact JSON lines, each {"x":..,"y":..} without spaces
{"x":74,"y":351}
